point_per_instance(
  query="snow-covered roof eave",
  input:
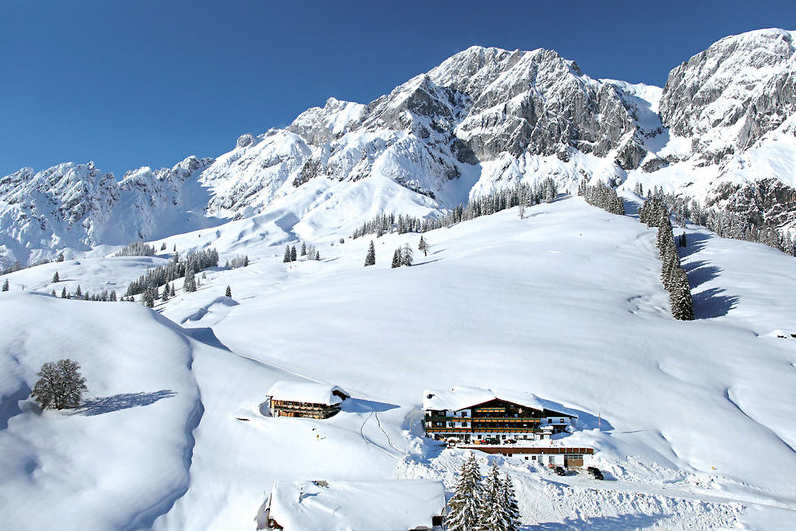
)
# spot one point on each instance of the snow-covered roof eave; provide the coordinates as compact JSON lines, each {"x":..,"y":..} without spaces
{"x":308,"y":392}
{"x":461,"y":397}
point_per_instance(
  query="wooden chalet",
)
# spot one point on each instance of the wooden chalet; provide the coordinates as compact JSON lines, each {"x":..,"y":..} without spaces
{"x":472,"y":415}
{"x":305,"y":399}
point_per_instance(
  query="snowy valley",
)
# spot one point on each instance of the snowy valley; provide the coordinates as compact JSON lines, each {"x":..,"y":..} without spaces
{"x":691,"y":422}
{"x":695,"y":430}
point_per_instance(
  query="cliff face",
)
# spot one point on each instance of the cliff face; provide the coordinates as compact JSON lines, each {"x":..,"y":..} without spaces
{"x":721,"y":131}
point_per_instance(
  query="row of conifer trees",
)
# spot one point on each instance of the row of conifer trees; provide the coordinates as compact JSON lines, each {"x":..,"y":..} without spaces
{"x":523,"y":195}
{"x":725,"y":223}
{"x":655,"y":214}
{"x":193,"y":263}
{"x":490,"y":505}
{"x":602,"y":196}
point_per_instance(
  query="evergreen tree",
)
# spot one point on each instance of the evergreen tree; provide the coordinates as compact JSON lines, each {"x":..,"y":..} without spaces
{"x":165,"y":296}
{"x":53,"y":293}
{"x":303,"y":249}
{"x":293,"y":256}
{"x":78,"y":292}
{"x":318,"y":255}
{"x":370,"y":258}
{"x":56,"y":278}
{"x":60,"y":257}
{"x":189,"y":284}
{"x":406,"y":255}
{"x":228,"y":293}
{"x":5,"y":285}
{"x":396,"y":259}
{"x":149,"y":298}
{"x":63,"y":293}
{"x":464,"y":505}
{"x":511,"y":512}
{"x":113,"y":296}
{"x":173,"y":293}
{"x":163,"y":246}
{"x":286,"y":259}
{"x":423,"y":246}
{"x":491,"y":511}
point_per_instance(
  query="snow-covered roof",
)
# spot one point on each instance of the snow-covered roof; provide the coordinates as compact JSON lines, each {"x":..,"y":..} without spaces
{"x":345,"y":505}
{"x":306,"y":391}
{"x":461,"y":397}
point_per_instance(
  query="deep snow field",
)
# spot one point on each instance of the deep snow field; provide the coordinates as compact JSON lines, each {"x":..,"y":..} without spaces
{"x":697,"y":428}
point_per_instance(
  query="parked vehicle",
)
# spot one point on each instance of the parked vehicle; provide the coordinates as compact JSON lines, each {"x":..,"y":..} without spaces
{"x":594,"y":472}
{"x":559,"y":470}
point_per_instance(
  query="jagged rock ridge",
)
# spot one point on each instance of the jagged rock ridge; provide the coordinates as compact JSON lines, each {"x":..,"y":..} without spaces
{"x":483,"y":119}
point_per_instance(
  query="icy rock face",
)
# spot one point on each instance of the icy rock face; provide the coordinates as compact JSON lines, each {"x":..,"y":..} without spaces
{"x":728,"y":96}
{"x":76,"y":206}
{"x":536,"y":102}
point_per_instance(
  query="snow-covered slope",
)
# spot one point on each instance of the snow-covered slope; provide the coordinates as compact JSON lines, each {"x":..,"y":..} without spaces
{"x":721,"y":131}
{"x":695,"y":428}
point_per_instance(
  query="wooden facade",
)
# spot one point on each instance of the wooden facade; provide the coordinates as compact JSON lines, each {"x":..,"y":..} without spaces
{"x":289,"y":408}
{"x":494,"y":421}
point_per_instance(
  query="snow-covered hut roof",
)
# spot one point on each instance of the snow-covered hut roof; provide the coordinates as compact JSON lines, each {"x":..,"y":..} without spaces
{"x":462,"y":397}
{"x":306,"y":391}
{"x":344,"y":505}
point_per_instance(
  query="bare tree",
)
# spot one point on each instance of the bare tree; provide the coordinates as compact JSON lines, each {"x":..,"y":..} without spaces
{"x":60,"y":385}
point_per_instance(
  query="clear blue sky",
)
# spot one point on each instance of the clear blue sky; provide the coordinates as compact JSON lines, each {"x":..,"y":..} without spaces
{"x":134,"y":83}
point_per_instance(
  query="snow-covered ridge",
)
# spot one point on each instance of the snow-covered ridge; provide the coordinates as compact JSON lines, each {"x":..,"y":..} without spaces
{"x":484,"y":119}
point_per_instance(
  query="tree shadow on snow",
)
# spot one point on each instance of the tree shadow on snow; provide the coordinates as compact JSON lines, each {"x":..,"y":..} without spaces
{"x":109,"y":404}
{"x":711,"y":303}
{"x":700,"y":272}
{"x":598,"y":523}
{"x":695,"y":242}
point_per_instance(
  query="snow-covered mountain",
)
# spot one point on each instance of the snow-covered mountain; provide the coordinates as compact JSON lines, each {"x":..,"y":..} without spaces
{"x":721,"y":131}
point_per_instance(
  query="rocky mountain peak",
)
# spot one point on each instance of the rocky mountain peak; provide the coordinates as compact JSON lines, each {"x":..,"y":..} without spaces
{"x":728,"y":96}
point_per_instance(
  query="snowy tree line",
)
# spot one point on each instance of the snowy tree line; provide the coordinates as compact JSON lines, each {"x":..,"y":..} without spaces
{"x":16,"y":266}
{"x":238,"y":261}
{"x":136,"y":249}
{"x":487,"y":506}
{"x":602,"y":196}
{"x":193,"y":263}
{"x":79,"y":294}
{"x":724,"y":223}
{"x":522,"y":195}
{"x":291,"y":255}
{"x":655,"y":214}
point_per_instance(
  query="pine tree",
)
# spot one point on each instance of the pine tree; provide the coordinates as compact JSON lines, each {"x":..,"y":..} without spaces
{"x":113,"y":296}
{"x":165,"y":296}
{"x":318,"y":255}
{"x":406,"y":255}
{"x":491,"y":511}
{"x":189,"y":284}
{"x":423,"y":246}
{"x":286,"y":259}
{"x":511,"y":512}
{"x":53,"y":293}
{"x":163,"y":246}
{"x":56,"y":278}
{"x":173,"y":293}
{"x":464,"y":505}
{"x":63,"y":293}
{"x":396,"y":259}
{"x":303,"y":249}
{"x":78,"y":292}
{"x":293,"y":256}
{"x":228,"y":293}
{"x":370,"y":258}
{"x":149,"y":298}
{"x":5,"y":285}
{"x":60,"y":257}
